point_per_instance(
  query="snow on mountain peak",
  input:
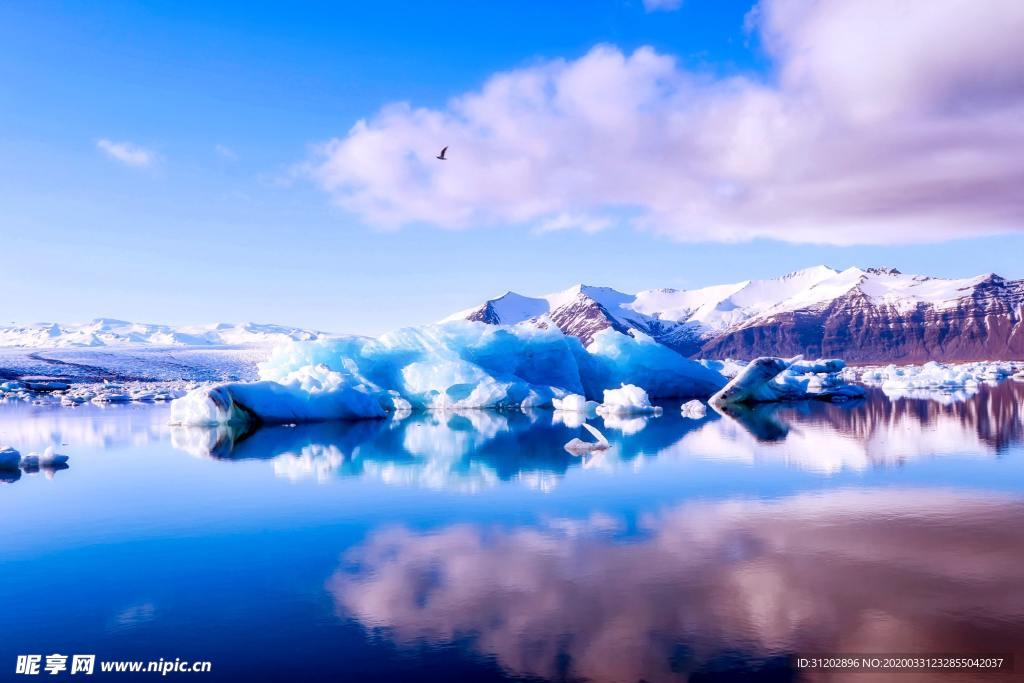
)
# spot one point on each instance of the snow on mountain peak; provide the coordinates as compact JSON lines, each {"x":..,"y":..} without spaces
{"x":688,"y":319}
{"x":113,"y":332}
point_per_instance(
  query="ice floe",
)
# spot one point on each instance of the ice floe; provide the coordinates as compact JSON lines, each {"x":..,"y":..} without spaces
{"x":576,"y":403}
{"x":769,"y":380}
{"x":628,"y":399}
{"x":10,"y":459}
{"x":694,"y":409}
{"x":99,"y":393}
{"x":933,"y":379}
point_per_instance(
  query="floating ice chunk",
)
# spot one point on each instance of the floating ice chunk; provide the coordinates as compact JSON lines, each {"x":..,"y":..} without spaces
{"x":768,"y":379}
{"x":10,"y":459}
{"x":933,"y":377}
{"x":575,"y":403}
{"x":752,"y":385}
{"x":49,"y":458}
{"x":273,"y":403}
{"x":694,"y":409}
{"x":628,"y":399}
{"x":577,"y":446}
{"x":112,"y":397}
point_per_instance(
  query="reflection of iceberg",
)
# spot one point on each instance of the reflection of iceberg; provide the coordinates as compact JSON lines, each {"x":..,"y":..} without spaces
{"x":846,"y":571}
{"x":465,"y":450}
{"x":469,"y":450}
{"x":579,"y":446}
{"x":627,"y":424}
{"x":454,"y":366}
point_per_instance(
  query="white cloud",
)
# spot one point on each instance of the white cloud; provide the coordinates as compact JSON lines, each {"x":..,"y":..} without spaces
{"x":662,"y":5}
{"x":882,"y":123}
{"x":126,"y":152}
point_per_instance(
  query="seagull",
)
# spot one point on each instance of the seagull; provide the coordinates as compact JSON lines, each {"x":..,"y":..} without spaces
{"x":441,"y":155}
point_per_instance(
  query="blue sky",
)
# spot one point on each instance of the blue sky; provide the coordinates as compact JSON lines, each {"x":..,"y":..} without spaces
{"x":220,"y":218}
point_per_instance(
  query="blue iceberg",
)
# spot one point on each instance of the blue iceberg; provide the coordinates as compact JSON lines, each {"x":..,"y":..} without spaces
{"x":451,"y":366}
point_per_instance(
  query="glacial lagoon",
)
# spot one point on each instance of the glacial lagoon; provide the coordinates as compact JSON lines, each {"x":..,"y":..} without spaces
{"x":472,"y":546}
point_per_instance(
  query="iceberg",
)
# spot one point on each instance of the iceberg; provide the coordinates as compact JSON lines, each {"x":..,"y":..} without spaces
{"x":574,"y":403}
{"x":693,"y":409}
{"x":768,"y":380}
{"x":273,"y":403}
{"x":628,"y":399}
{"x":50,"y":458}
{"x":452,"y":366}
{"x":10,"y":459}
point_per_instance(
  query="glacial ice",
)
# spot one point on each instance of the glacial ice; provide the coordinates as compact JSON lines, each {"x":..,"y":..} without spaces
{"x":929,"y":378}
{"x":10,"y":459}
{"x":452,"y":366}
{"x":628,"y":399}
{"x":50,"y":458}
{"x":768,"y":380}
{"x":693,"y":409}
{"x":274,"y":403}
{"x":575,"y":403}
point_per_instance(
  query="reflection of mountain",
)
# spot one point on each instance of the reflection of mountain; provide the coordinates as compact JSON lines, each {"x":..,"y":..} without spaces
{"x":864,"y":572}
{"x":474,"y":449}
{"x":994,"y":415}
{"x":878,"y":431}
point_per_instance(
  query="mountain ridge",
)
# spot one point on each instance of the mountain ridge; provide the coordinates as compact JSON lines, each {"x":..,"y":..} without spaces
{"x":876,"y":314}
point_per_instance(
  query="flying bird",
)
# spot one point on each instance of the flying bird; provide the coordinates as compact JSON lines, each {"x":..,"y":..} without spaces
{"x":441,"y":155}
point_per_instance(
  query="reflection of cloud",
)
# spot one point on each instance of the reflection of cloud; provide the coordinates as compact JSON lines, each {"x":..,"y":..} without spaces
{"x":894,"y":571}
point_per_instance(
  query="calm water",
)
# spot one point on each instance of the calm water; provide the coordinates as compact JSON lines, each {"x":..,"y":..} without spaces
{"x":473,"y":547}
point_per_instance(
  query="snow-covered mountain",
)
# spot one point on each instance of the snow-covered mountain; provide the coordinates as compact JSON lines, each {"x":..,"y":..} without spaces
{"x":108,"y":332}
{"x":872,"y":315}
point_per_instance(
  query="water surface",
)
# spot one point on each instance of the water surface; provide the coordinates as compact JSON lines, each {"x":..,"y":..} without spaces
{"x":473,"y":547}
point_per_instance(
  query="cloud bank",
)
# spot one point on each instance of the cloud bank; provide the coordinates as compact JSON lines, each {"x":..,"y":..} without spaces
{"x":881,"y":122}
{"x":127,"y":153}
